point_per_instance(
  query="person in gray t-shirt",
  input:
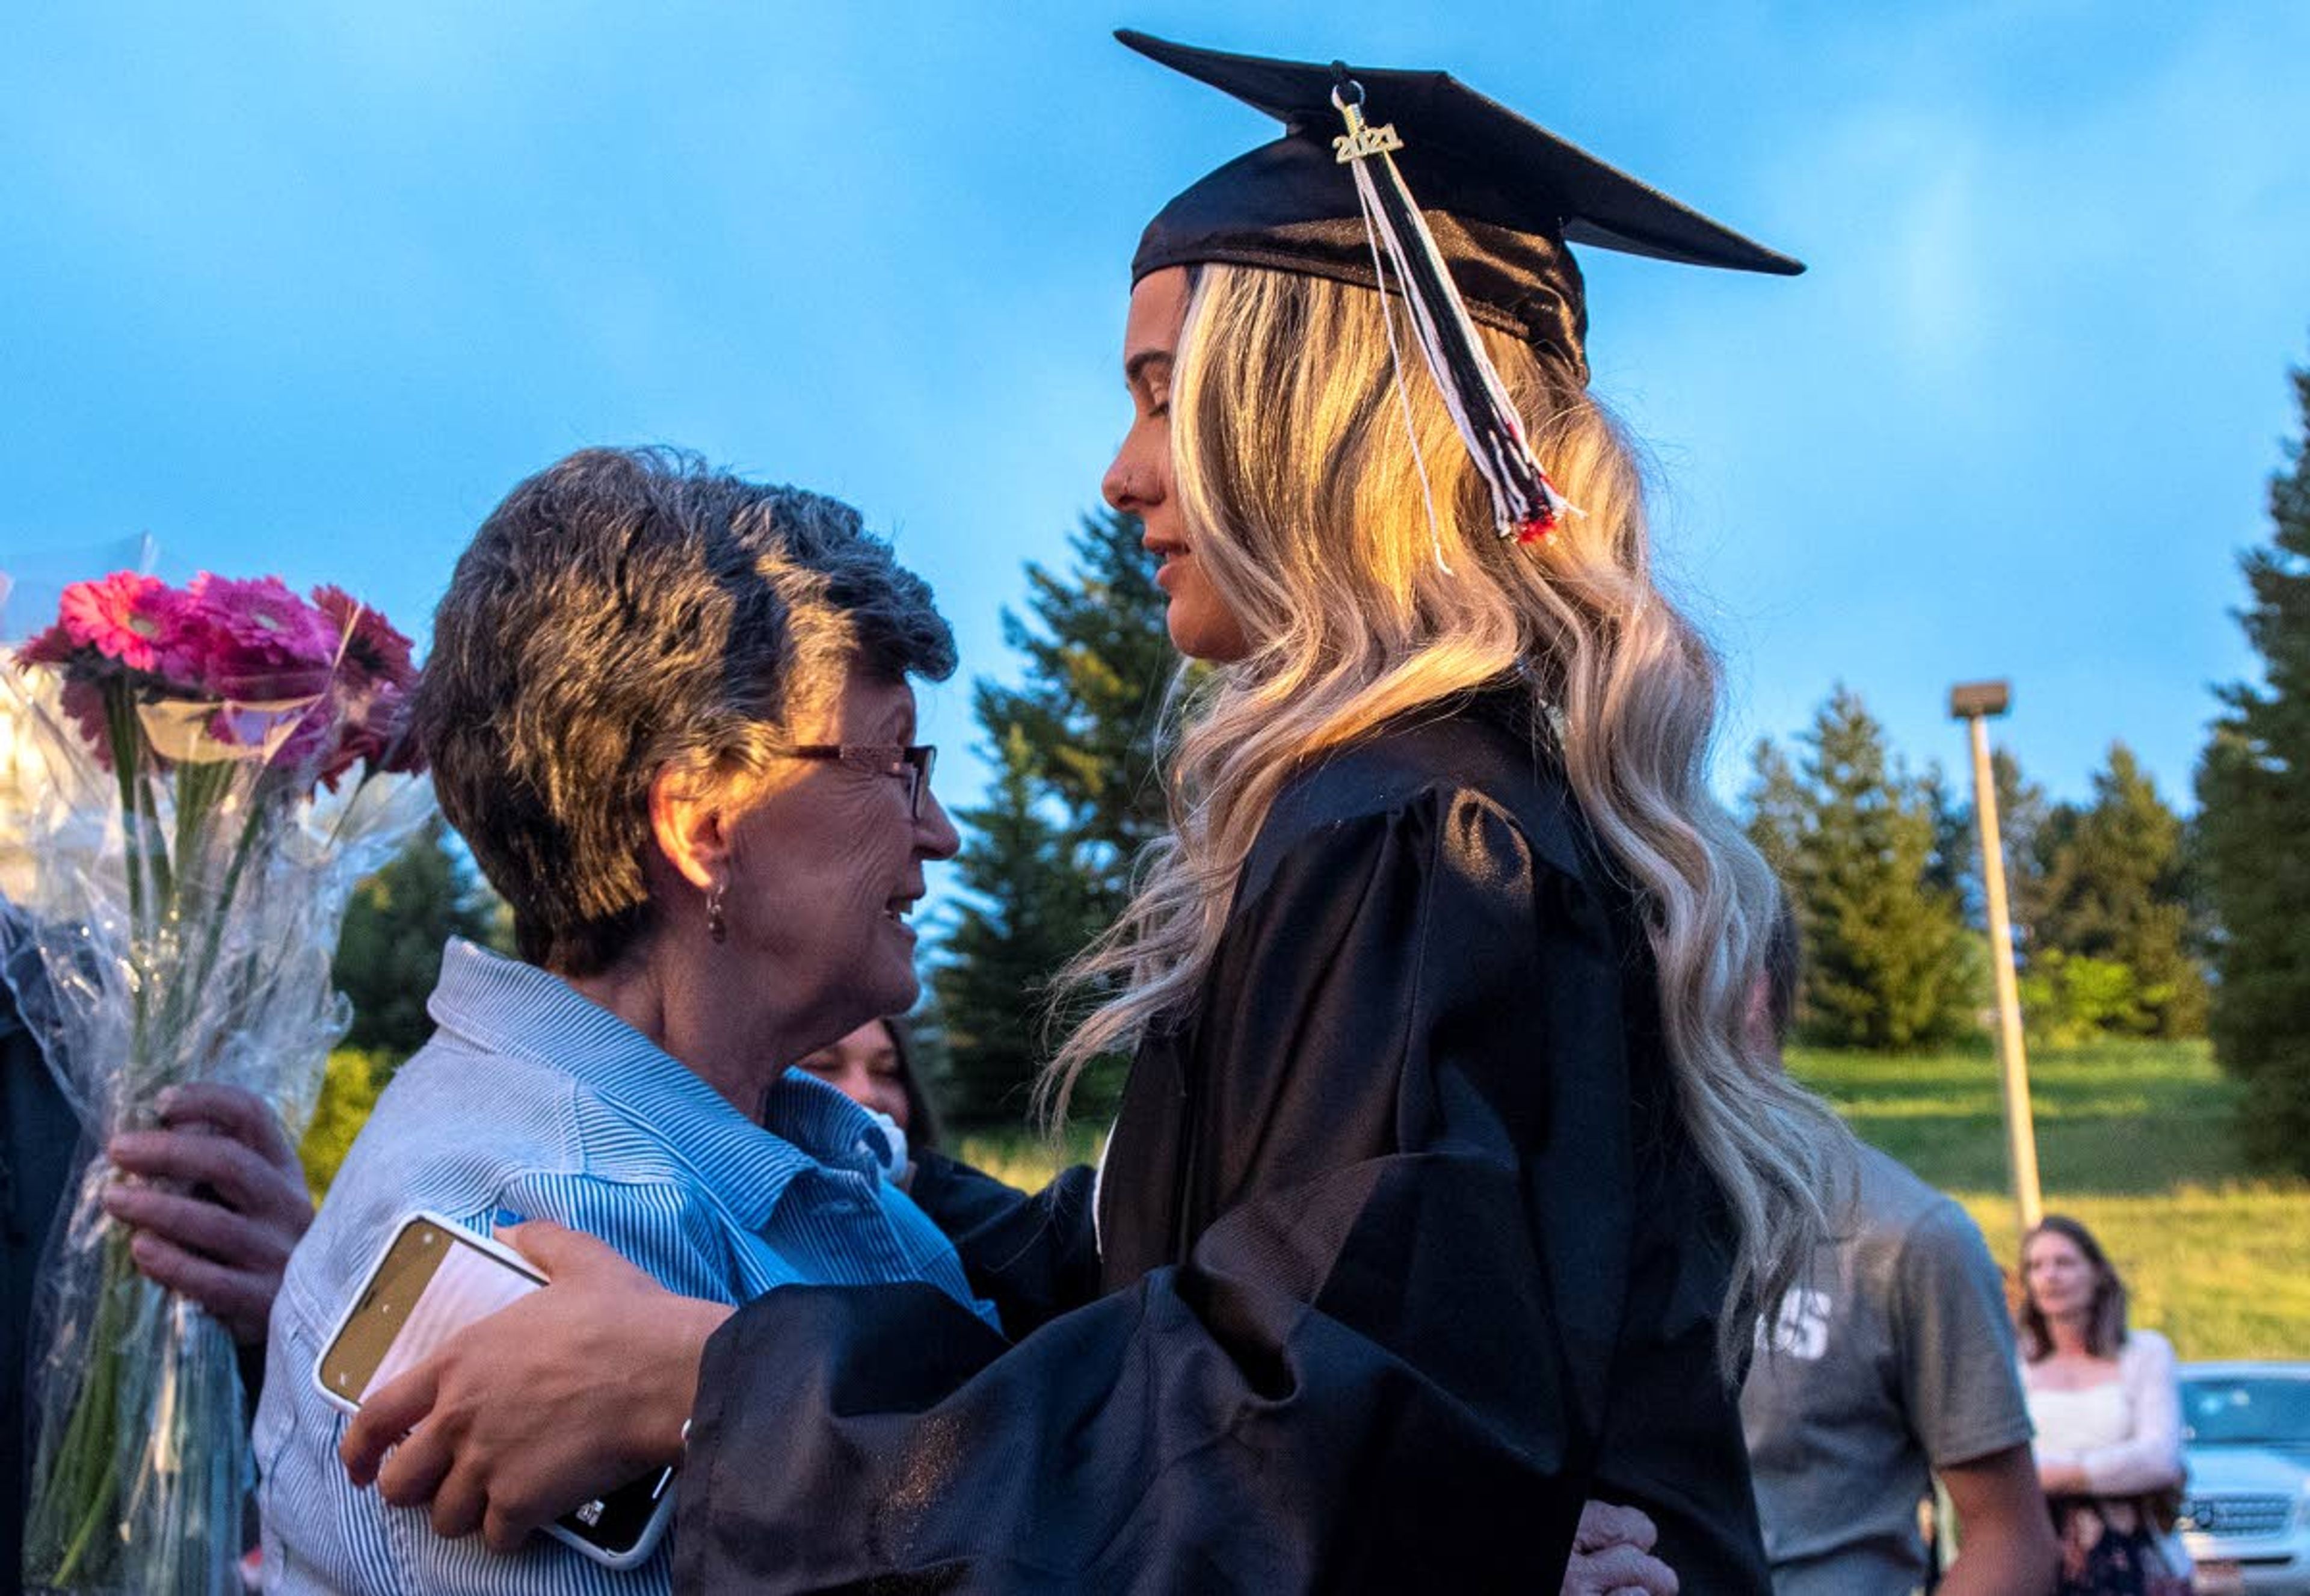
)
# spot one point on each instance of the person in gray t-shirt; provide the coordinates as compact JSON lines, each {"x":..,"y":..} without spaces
{"x":1891,"y":1362}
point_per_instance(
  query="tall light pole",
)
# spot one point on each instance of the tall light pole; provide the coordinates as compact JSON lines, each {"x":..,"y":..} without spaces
{"x":1973,"y":702}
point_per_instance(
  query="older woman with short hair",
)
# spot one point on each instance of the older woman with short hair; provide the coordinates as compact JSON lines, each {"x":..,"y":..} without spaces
{"x":669,"y":712}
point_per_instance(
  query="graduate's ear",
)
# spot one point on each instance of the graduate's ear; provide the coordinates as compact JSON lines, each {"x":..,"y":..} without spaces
{"x":690,"y":818}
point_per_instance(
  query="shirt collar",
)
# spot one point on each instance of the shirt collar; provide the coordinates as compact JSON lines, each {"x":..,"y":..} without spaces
{"x":516,"y":1008}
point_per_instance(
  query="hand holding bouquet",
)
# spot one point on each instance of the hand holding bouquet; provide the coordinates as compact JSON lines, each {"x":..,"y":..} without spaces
{"x":224,"y":761}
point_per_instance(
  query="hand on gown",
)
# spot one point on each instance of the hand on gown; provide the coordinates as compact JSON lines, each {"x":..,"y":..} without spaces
{"x":1612,"y":1556}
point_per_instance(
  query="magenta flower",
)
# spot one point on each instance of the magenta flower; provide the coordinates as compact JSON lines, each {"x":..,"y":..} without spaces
{"x":390,"y":726}
{"x":375,"y":676}
{"x":125,"y":617}
{"x":83,"y":701}
{"x":375,"y":729}
{"x":374,"y":647}
{"x":52,"y":647}
{"x":253,"y":639}
{"x":315,"y":687}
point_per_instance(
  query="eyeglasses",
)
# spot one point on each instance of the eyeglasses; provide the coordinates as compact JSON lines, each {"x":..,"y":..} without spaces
{"x":911,"y":764}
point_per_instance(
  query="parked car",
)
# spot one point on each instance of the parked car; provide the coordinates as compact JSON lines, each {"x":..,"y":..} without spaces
{"x":2245,"y":1511}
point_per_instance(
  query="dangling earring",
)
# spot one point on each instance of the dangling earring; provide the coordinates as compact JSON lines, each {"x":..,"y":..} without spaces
{"x":717,"y":924}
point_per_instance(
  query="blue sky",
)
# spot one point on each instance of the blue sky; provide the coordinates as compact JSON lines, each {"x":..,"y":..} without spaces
{"x":305,"y":288}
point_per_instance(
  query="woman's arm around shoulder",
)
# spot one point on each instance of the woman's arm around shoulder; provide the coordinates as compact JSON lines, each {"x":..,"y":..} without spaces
{"x":1031,"y":1254}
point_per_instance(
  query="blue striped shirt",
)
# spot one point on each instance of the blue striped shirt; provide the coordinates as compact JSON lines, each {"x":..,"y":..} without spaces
{"x":532,"y":1102}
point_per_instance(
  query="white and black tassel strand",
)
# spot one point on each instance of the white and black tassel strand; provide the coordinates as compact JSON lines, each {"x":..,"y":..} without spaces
{"x":1525,"y":505}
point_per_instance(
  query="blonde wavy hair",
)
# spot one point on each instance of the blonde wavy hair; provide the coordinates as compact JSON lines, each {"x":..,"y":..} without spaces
{"x":1304,"y":503}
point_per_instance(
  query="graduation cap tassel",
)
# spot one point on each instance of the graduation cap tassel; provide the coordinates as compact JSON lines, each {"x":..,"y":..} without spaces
{"x":1404,"y":399}
{"x":1525,"y":505}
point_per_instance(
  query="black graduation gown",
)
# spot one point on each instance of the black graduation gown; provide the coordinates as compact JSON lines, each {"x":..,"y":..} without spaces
{"x":1403,"y":1256}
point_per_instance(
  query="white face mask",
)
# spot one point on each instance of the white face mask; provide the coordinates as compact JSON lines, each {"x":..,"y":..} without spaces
{"x":892,"y":1153}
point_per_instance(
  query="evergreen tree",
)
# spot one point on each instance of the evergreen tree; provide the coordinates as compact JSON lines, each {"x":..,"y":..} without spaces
{"x":1023,"y":912}
{"x":2022,"y":817}
{"x":1046,"y":865}
{"x":1952,"y":868}
{"x":1780,"y":809}
{"x":1887,"y":960}
{"x":2254,"y":792}
{"x":1097,"y":659}
{"x":2114,"y":891}
{"x":1778,"y":814}
{"x":389,"y":956}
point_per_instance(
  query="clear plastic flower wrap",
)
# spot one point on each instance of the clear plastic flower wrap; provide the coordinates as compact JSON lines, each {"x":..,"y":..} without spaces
{"x":222,"y":763}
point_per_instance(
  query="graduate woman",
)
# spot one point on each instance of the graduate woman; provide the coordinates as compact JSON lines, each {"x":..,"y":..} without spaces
{"x":1447,"y":1172}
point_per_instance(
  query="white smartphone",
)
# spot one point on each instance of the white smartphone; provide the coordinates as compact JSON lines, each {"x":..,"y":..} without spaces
{"x":433,"y":1278}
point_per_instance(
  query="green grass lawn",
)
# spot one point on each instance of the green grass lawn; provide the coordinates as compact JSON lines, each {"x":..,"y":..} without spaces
{"x":2117,"y":1119}
{"x":2136,"y":1139}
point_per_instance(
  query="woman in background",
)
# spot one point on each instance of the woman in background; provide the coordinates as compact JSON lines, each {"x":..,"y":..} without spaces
{"x":873,"y":1066}
{"x":2108,"y":1416}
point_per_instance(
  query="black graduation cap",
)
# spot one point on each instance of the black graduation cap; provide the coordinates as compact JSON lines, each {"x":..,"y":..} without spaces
{"x":1501,"y":196}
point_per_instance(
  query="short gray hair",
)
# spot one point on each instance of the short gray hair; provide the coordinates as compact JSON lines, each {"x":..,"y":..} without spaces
{"x":621,"y":612}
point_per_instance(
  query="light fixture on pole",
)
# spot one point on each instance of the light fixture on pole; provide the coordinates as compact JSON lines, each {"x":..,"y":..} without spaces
{"x":1973,"y":702}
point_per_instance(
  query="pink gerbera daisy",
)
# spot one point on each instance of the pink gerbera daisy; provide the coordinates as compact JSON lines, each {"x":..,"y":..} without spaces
{"x":124,"y":616}
{"x":374,"y":646}
{"x":257,"y":640}
{"x":376,"y":729}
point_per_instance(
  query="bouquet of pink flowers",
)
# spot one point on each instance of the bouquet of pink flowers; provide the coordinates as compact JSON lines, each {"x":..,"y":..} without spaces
{"x":224,"y":761}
